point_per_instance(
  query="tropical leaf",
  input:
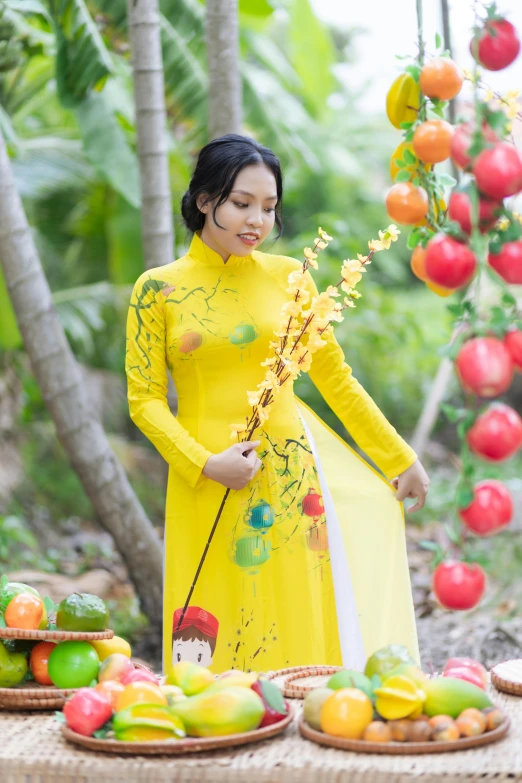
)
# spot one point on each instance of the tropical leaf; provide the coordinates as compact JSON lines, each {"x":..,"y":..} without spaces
{"x":312,"y":54}
{"x":81,"y":311}
{"x":7,"y":130}
{"x":186,"y":82}
{"x":106,"y":146}
{"x":256,"y":7}
{"x":28,"y":7}
{"x":49,"y":164}
{"x":83,"y":62}
{"x":262,"y":50}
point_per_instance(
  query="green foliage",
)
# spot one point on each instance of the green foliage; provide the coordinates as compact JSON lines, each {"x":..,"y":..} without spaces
{"x":311,"y":54}
{"x":17,"y":543}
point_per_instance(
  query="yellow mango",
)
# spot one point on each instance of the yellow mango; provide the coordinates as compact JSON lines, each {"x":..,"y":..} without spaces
{"x":215,"y":714}
{"x":190,"y":677}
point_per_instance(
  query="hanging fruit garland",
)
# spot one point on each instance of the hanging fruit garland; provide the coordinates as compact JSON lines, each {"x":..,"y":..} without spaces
{"x":455,"y":248}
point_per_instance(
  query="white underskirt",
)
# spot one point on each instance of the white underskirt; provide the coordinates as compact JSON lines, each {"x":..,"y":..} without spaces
{"x":350,"y":638}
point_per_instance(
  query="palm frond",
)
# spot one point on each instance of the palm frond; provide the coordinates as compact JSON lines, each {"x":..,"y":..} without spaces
{"x":186,"y":82}
{"x":81,"y":311}
{"x":47,"y":165}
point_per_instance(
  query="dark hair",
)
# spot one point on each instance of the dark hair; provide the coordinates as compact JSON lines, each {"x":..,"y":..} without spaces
{"x":217,"y":167}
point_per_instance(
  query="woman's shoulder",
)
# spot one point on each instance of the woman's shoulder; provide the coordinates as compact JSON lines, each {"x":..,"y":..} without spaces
{"x":276,"y":263}
{"x":160,"y":277}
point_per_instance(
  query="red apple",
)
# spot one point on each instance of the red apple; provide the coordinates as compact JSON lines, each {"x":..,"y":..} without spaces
{"x":490,"y":510}
{"x":115,"y":667}
{"x":508,"y":263}
{"x":449,"y":263}
{"x":498,"y":171}
{"x":513,"y":342}
{"x":139,"y":675}
{"x":465,"y":674}
{"x":459,"y":209}
{"x":496,"y":434}
{"x":495,"y":46}
{"x":462,"y":140}
{"x":468,"y":663}
{"x":484,"y":367}
{"x":459,"y":585}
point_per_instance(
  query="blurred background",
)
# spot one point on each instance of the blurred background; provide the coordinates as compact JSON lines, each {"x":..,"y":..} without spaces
{"x":315,"y":74}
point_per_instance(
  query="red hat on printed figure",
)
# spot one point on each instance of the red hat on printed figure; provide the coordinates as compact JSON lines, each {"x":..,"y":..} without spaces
{"x":204,"y":621}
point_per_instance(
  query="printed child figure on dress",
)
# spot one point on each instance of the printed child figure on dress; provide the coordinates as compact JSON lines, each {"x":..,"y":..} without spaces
{"x":195,"y":639}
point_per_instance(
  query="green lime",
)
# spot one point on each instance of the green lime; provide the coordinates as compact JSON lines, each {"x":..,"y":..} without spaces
{"x":349,"y":678}
{"x":386,"y":659}
{"x":82,"y":612}
{"x":15,"y":588}
{"x":73,"y":664}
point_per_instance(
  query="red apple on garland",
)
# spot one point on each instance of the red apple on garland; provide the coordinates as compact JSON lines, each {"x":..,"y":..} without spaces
{"x":449,"y":263}
{"x":495,"y":46}
{"x":496,"y":434}
{"x":498,"y":171}
{"x":513,"y":342}
{"x":462,"y":140}
{"x":459,"y":585}
{"x":490,"y":510}
{"x":459,"y":210}
{"x":508,"y":262}
{"x":484,"y":367}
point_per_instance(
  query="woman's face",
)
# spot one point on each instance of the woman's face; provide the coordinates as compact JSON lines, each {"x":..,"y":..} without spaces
{"x":247,"y":216}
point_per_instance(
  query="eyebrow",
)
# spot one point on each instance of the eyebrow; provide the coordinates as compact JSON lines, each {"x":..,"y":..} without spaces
{"x":246,"y":193}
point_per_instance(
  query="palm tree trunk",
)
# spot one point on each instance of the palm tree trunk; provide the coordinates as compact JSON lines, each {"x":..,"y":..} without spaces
{"x":77,"y":425}
{"x":222,"y":33}
{"x":156,"y":214}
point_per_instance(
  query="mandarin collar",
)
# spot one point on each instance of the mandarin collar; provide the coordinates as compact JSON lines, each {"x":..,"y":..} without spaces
{"x":203,"y":253}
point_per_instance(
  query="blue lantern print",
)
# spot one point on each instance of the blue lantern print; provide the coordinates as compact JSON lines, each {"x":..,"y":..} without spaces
{"x":261,"y":517}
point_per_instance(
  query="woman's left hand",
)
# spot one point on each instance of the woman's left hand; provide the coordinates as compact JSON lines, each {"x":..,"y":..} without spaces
{"x":413,"y":483}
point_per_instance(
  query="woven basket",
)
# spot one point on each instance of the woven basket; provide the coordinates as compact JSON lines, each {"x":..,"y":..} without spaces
{"x":507,"y":676}
{"x":294,"y":673}
{"x":404,"y":748}
{"x":32,"y":696}
{"x":177,"y":747}
{"x":55,"y":636}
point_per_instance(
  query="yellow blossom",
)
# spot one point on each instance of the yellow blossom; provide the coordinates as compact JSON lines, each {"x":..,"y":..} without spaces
{"x":489,"y":95}
{"x":269,"y":362}
{"x":291,"y":308}
{"x":313,"y":263}
{"x":236,"y":429}
{"x":385,"y":241}
{"x":363,"y":259}
{"x":309,"y":254}
{"x":351,"y":271}
{"x":254,"y":397}
{"x":332,"y":291}
{"x":271,"y":382}
{"x":393,"y":232}
{"x":375,"y":245}
{"x":263,"y":412}
{"x":297,"y":276}
{"x":355,"y":294}
{"x":322,"y":305}
{"x":320,"y":244}
{"x":324,"y":236}
{"x":348,"y":302}
{"x":502,"y":223}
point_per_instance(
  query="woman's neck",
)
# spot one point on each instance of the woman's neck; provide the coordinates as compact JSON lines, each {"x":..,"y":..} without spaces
{"x":214,"y":246}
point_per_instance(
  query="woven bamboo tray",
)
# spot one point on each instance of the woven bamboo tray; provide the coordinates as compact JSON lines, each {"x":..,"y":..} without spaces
{"x":55,"y":636}
{"x":404,"y":748}
{"x":177,"y":747}
{"x":32,"y":696}
{"x":507,"y":676}
{"x":292,"y":691}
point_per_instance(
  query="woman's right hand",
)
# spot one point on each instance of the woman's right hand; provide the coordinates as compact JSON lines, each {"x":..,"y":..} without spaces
{"x":236,"y":466}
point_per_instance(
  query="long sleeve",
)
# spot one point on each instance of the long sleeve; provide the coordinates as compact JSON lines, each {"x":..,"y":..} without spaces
{"x":146,"y":369}
{"x":368,"y":426}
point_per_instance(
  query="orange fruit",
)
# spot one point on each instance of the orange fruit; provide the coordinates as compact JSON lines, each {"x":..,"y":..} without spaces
{"x":444,"y":728}
{"x":38,"y":662}
{"x":418,"y":263}
{"x":24,"y":611}
{"x":140,"y":692}
{"x":111,"y":689}
{"x":400,"y":729}
{"x":470,"y":726}
{"x":441,"y":78}
{"x":432,"y":141}
{"x":406,"y":204}
{"x":476,"y":715}
{"x":439,"y":290}
{"x":377,"y":731}
{"x":494,"y":718}
{"x":346,"y":713}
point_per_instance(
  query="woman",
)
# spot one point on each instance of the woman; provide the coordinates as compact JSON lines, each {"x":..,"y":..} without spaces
{"x":308,"y":563}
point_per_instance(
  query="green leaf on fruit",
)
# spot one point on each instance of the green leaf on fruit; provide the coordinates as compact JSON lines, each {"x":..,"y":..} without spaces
{"x":414,"y":71}
{"x":50,"y":606}
{"x":465,"y":495}
{"x":273,"y":696}
{"x":403,"y":176}
{"x":105,"y":731}
{"x":438,"y":41}
{"x":401,"y":164}
{"x":406,"y":125}
{"x":60,"y":717}
{"x":447,"y":180}
{"x":452,"y":534}
{"x":508,"y":299}
{"x":409,"y":157}
{"x":4,"y":581}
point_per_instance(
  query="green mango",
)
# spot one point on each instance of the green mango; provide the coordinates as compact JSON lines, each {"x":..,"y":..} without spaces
{"x":13,"y":667}
{"x":350,"y":678}
{"x":231,"y":710}
{"x":386,"y":659}
{"x":145,"y":722}
{"x":450,"y":696}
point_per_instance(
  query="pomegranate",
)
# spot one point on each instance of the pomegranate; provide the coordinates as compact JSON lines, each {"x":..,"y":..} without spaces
{"x":496,"y":434}
{"x":490,"y":510}
{"x":498,"y":171}
{"x":459,"y":209}
{"x":508,"y":263}
{"x":496,"y":46}
{"x":461,"y":142}
{"x":449,"y":263}
{"x":459,"y":585}
{"x":513,"y":342}
{"x":484,"y":367}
